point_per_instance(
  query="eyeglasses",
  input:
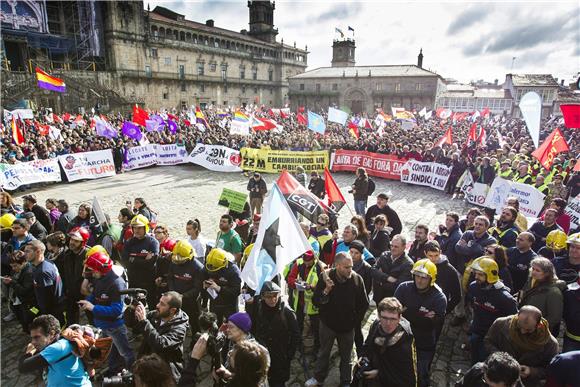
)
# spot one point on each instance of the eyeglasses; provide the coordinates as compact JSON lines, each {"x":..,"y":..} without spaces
{"x":389,"y":319}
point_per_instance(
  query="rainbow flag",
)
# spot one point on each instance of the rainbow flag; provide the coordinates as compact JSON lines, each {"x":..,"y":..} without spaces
{"x":240,"y":116}
{"x":47,"y":82}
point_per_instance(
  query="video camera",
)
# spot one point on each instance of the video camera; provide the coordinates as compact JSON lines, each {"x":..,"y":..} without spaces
{"x":135,"y":296}
{"x":124,"y":378}
{"x":216,"y":339}
{"x":363,"y":365}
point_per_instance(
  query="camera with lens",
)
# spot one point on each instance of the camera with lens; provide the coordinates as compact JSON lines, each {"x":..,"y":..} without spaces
{"x":124,"y":378}
{"x":135,"y":296}
{"x":363,"y":365}
{"x":215,"y":340}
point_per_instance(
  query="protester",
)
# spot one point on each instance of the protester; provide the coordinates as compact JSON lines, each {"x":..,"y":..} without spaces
{"x":448,"y":236}
{"x":228,"y":239}
{"x":417,"y":249}
{"x":382,"y":207}
{"x":519,"y":259}
{"x":34,"y":227}
{"x":360,"y":191}
{"x":473,"y":242}
{"x":221,"y":283}
{"x":29,"y":205}
{"x":391,"y":269}
{"x":193,"y":230}
{"x":380,"y":238}
{"x":316,"y":185}
{"x":72,"y":262}
{"x":499,"y":369}
{"x":541,"y":228}
{"x":258,"y":189}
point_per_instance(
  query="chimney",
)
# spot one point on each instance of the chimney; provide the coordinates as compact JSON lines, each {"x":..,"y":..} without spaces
{"x":562,"y":82}
{"x":495,"y":82}
{"x":209,"y":22}
{"x":420,"y":59}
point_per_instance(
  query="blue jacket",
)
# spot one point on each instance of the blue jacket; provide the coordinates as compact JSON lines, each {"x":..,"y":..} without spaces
{"x":448,"y":242}
{"x":473,"y":249}
{"x":519,"y":267}
{"x":417,"y":306}
{"x":343,"y":247}
{"x":489,"y":302}
{"x":108,"y":310}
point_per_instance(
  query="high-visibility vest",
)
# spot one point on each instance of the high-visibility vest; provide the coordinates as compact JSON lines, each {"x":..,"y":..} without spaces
{"x":526,"y":179}
{"x":312,"y":280}
{"x":543,"y":188}
{"x":507,"y":174}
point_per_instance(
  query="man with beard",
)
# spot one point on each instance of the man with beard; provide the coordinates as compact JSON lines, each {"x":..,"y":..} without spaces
{"x":506,"y":231}
{"x":382,"y":207}
{"x":519,"y":258}
{"x":71,"y":263}
{"x":390,"y":348}
{"x":425,"y":306}
{"x":447,"y":276}
{"x":228,"y":239}
{"x":274,"y":325}
{"x":41,"y":213}
{"x":164,"y":330}
{"x":490,"y":299}
{"x":542,"y":228}
{"x":417,"y":249}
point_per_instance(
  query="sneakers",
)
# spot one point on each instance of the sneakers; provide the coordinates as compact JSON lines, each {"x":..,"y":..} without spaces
{"x":9,"y":317}
{"x":312,"y":382}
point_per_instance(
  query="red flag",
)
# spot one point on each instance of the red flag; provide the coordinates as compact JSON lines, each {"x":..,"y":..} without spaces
{"x":186,"y":122}
{"x":472,"y":136}
{"x":301,"y":109}
{"x":301,"y":199}
{"x":554,"y":144}
{"x":172,"y":117}
{"x":56,"y":118}
{"x":43,"y":130}
{"x":335,"y":199}
{"x":446,"y":139}
{"x":17,"y":133}
{"x":353,"y":130}
{"x":571,"y":115}
{"x":139,"y":116}
{"x":271,"y":113}
{"x":482,"y":137}
{"x":301,"y":119}
{"x":66,"y":117}
{"x":485,"y":112}
{"x":282,"y":114}
{"x":262,"y":123}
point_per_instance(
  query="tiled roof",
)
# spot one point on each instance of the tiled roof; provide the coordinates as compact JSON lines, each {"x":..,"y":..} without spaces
{"x":520,"y":80}
{"x":363,"y":71}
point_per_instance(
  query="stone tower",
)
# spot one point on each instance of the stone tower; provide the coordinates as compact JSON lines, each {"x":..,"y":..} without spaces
{"x":262,"y":20}
{"x":343,"y":53}
{"x":420,"y":59}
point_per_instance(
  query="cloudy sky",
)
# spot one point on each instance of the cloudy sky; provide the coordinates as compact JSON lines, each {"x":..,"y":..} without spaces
{"x":461,"y":40}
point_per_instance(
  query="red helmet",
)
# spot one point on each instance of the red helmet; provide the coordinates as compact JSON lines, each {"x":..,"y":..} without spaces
{"x":99,"y":262}
{"x":168,"y":244}
{"x":79,"y":234}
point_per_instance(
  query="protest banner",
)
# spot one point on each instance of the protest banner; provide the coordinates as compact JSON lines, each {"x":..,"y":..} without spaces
{"x":216,"y":158}
{"x":36,"y":171}
{"x":170,"y":154}
{"x":475,"y":193}
{"x":531,"y":200}
{"x":233,"y":200}
{"x":275,"y":161}
{"x":240,"y":127}
{"x":88,"y":165}
{"x":432,"y":175}
{"x":573,"y":209}
{"x":140,"y":157}
{"x":385,"y":166}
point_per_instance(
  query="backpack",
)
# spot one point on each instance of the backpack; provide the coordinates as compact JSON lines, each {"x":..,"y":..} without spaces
{"x":371,"y":188}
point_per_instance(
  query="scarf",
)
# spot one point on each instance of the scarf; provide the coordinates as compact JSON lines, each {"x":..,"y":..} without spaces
{"x":530,"y":342}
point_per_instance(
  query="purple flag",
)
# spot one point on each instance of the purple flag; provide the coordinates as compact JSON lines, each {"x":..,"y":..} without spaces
{"x":104,"y":129}
{"x":132,"y":130}
{"x":151,"y":125}
{"x":172,"y":126}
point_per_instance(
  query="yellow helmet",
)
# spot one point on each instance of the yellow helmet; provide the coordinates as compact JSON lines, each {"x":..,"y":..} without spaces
{"x":556,"y":240}
{"x":217,"y":259}
{"x":574,"y":239}
{"x":487,"y":266}
{"x":6,"y":220}
{"x":96,"y":249}
{"x":140,"y":221}
{"x":425,"y":268}
{"x":246,"y":255}
{"x":182,"y":252}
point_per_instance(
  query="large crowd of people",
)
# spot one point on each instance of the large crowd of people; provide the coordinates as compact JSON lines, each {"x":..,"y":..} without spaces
{"x":512,"y":283}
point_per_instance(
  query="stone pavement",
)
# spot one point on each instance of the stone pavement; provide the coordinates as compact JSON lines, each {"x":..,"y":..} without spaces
{"x":180,"y":193}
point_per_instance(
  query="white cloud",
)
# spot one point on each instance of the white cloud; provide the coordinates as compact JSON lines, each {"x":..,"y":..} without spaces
{"x":460,"y":40}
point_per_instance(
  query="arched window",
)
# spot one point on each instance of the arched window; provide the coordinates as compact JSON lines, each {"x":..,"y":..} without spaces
{"x":182,"y":36}
{"x":169,"y":33}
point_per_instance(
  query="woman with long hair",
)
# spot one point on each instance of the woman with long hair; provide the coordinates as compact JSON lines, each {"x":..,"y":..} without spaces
{"x":380,"y":239}
{"x":7,"y":204}
{"x":363,"y":234}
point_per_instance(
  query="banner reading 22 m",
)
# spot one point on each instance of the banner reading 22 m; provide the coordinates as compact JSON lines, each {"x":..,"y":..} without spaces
{"x":275,"y":161}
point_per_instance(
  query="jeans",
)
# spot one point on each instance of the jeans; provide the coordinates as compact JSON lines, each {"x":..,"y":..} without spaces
{"x":478,"y":352}
{"x":360,"y":207}
{"x":345,"y":343}
{"x":121,"y":355}
{"x":424,"y":359}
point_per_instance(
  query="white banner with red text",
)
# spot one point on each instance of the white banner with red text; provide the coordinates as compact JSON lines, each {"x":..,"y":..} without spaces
{"x":88,"y":165}
{"x":376,"y":164}
{"x":36,"y":171}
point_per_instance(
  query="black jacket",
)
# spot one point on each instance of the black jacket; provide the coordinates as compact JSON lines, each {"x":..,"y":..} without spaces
{"x":379,"y":243}
{"x":277,"y":330}
{"x":317,"y":187}
{"x":364,"y":269}
{"x":447,"y":241}
{"x":474,"y":377}
{"x":257,"y":188}
{"x":392,"y":218}
{"x":72,"y":273}
{"x":165,"y":340}
{"x":345,"y":305}
{"x":42,"y":215}
{"x":38,"y":231}
{"x":385,"y":267}
{"x":23,"y":286}
{"x":393,"y":355}
{"x":449,"y":282}
{"x":361,"y":188}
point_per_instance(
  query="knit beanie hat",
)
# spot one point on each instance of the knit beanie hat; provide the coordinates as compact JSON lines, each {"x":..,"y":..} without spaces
{"x":358,"y":245}
{"x":242,"y":320}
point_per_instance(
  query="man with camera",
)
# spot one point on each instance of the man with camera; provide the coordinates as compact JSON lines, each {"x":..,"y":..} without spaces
{"x":106,"y":304}
{"x":47,"y":350}
{"x":164,"y":330}
{"x":388,"y":354}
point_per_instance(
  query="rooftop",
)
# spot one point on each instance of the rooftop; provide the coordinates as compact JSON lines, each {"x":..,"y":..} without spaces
{"x":520,"y":80}
{"x":476,"y":93}
{"x":363,"y":71}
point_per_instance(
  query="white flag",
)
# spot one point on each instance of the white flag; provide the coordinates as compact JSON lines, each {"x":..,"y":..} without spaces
{"x":98,"y":211}
{"x":423,"y":112}
{"x":280,"y":241}
{"x":428,"y":115}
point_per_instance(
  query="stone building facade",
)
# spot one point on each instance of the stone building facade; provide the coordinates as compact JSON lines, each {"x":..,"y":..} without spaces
{"x":157,"y":58}
{"x":543,"y":84}
{"x":364,"y":88}
{"x":468,"y":98}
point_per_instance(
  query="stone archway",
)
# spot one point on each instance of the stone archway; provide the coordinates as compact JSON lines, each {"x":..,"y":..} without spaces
{"x":356,"y":100}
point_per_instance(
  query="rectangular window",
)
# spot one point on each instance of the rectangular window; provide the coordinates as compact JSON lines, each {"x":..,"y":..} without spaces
{"x":183,"y":86}
{"x":334,"y":86}
{"x":378,"y":87}
{"x":212,"y":67}
{"x":200,"y":68}
{"x":271,"y":91}
{"x":224,"y":71}
{"x":254,"y":73}
{"x":225,"y":88}
{"x":255,"y":90}
{"x":302,"y":86}
{"x":243,"y":89}
{"x":167,"y":60}
{"x":183,"y":105}
{"x":397,"y":87}
{"x":153,"y":53}
{"x":418,"y":86}
{"x":225,"y":103}
{"x":242,"y":73}
{"x":165,"y":95}
{"x":270,"y":75}
{"x":318,"y":87}
{"x":202,"y":88}
{"x":148,"y":71}
{"x":181,"y":71}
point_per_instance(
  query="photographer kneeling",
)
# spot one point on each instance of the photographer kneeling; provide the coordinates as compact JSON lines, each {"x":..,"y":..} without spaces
{"x":388,"y":354}
{"x":164,"y":330}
